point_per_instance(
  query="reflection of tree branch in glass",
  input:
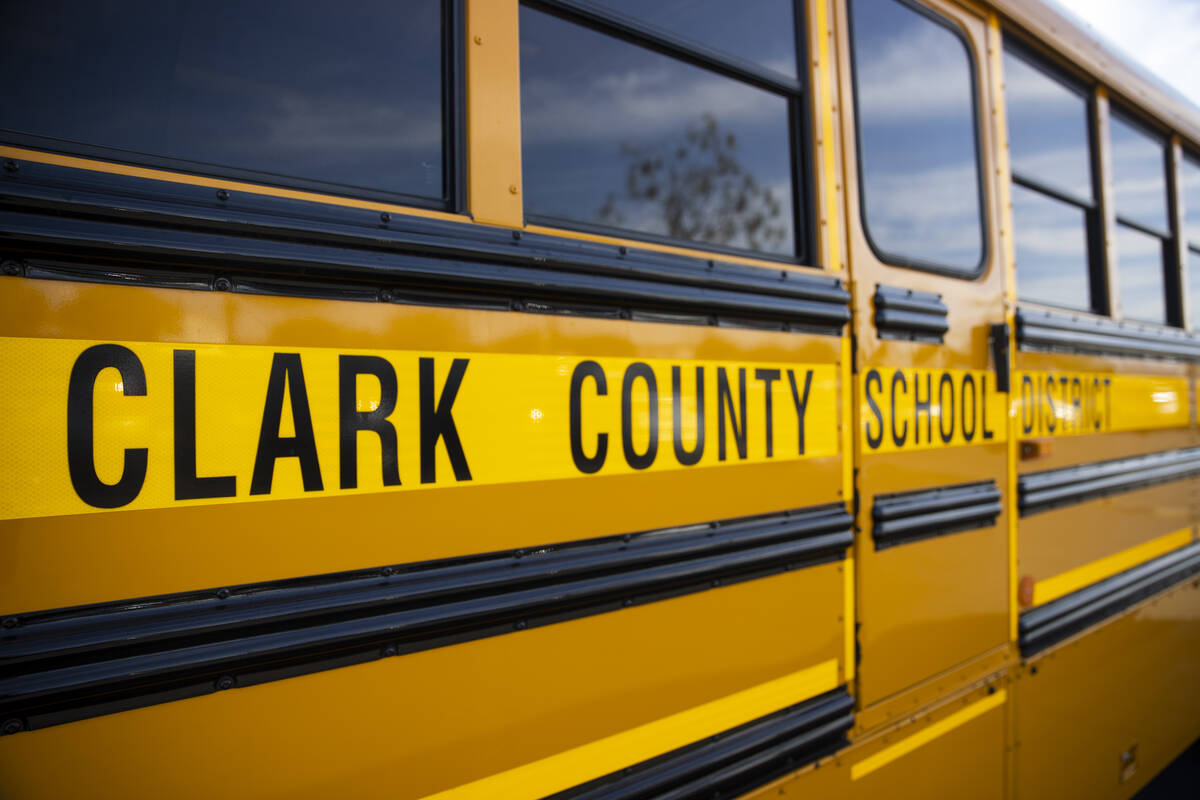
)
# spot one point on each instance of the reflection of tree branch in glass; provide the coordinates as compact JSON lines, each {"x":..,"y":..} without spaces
{"x":701,"y":190}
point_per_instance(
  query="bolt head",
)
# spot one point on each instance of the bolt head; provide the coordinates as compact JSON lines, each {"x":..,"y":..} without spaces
{"x":12,"y":726}
{"x":12,"y":268}
{"x":224,"y":682}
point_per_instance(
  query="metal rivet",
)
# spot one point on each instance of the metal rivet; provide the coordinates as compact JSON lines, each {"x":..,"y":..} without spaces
{"x":386,"y":571}
{"x":626,"y":537}
{"x":12,"y":726}
{"x":222,"y":284}
{"x":512,"y":189}
{"x":520,"y":624}
{"x":12,"y":268}
{"x":478,"y":40}
{"x":716,"y":582}
{"x":627,"y":603}
{"x":622,"y":249}
{"x":222,"y":194}
{"x":11,"y":165}
{"x":390,"y":650}
{"x":386,"y":296}
{"x":991,"y":690}
{"x":11,"y":622}
{"x":385,"y":217}
{"x":518,"y":554}
{"x":516,"y":235}
{"x":224,"y":682}
{"x":1033,"y":670}
{"x":222,"y":594}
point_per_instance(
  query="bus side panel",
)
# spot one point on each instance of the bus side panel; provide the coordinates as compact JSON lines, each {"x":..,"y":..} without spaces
{"x":1100,"y":715}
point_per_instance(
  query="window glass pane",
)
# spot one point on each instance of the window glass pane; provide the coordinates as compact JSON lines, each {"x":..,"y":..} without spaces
{"x":763,"y":31}
{"x":346,"y":93}
{"x":1143,"y":294}
{"x":617,"y":135}
{"x":1047,"y":129}
{"x":1052,"y":254}
{"x":1189,"y":174}
{"x":1193,"y":266}
{"x":1139,"y":174}
{"x":916,"y":129}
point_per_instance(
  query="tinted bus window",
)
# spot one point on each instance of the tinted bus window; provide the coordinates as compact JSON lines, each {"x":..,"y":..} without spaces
{"x":1052,"y":196}
{"x":917,"y":139}
{"x":620,"y":136}
{"x":763,"y":31}
{"x":1139,"y":176}
{"x":1143,"y":296}
{"x":345,"y":93}
{"x":1189,"y":192}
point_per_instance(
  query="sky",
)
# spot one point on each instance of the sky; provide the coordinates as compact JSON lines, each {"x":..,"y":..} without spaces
{"x":1162,"y":35}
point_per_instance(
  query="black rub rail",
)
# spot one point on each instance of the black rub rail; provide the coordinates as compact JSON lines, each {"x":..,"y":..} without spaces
{"x":78,"y":225}
{"x":909,"y":314}
{"x":736,"y":761}
{"x":1042,"y":491}
{"x":1049,"y":624}
{"x":61,"y":665}
{"x":904,"y":517}
{"x":1070,"y":333}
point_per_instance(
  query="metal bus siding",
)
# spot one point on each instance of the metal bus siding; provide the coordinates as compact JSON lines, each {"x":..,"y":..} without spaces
{"x":449,"y":492}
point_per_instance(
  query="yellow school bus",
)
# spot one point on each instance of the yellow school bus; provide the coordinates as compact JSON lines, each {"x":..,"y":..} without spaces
{"x":549,"y":398}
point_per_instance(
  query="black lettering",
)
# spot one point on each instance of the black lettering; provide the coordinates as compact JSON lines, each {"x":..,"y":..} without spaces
{"x":801,"y":404}
{"x":437,"y":421}
{"x":983,"y":405}
{"x":768,"y":376}
{"x":586,"y":464}
{"x":684,"y":456}
{"x":919,"y":405}
{"x":286,"y":371}
{"x":725,"y":400}
{"x":969,"y":381}
{"x":1052,"y":411}
{"x":943,"y":382}
{"x":187,"y":485}
{"x":351,"y":420}
{"x":873,"y":441}
{"x":634,"y":371}
{"x":898,"y":439}
{"x":1027,"y":404}
{"x":1077,"y":402}
{"x":81,"y":460}
{"x":1108,"y":404}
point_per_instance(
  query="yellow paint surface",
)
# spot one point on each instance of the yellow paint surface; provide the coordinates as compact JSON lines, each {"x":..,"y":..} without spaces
{"x":1052,"y":588}
{"x":1076,"y":403}
{"x":920,"y":409}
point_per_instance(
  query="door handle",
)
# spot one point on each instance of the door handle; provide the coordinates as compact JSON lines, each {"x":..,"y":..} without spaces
{"x":999,"y":337}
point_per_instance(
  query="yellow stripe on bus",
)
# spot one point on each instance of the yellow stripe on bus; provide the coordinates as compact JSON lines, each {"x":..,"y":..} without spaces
{"x":92,"y":426}
{"x":919,"y":409}
{"x":599,"y":758}
{"x":1053,"y":588}
{"x":939,"y":728}
{"x":1059,"y":403}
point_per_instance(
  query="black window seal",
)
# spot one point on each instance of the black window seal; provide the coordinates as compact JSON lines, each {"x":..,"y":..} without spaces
{"x":902,"y":261}
{"x":1099,"y":293}
{"x":453,"y":143}
{"x":1171,"y":266}
{"x":792,"y":90}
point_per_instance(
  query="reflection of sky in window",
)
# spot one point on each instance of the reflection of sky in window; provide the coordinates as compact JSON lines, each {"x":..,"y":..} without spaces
{"x":1189,"y":178}
{"x":1051,"y":244}
{"x":1193,"y":271}
{"x":605,"y":129}
{"x":762,"y":31}
{"x":1139,"y":177}
{"x":1047,"y":129}
{"x":917,"y":136}
{"x":347,"y":93}
{"x":1143,"y":296}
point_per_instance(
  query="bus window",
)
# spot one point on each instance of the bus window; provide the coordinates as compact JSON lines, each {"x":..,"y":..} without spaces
{"x":917,"y":138}
{"x":622,"y":138}
{"x":315,"y":94}
{"x":1189,"y":178}
{"x":1140,"y":192}
{"x":1053,"y":197}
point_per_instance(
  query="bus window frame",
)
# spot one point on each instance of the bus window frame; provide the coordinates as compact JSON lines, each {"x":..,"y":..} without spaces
{"x":1099,"y":292}
{"x":981,"y":268}
{"x":453,"y":114}
{"x":1186,"y":248}
{"x":796,"y":92}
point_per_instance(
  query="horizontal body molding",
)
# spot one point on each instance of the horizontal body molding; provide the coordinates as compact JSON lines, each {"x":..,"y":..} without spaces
{"x":94,"y":223}
{"x":1042,"y":491}
{"x":61,"y":665}
{"x":736,"y":761}
{"x":904,"y":517}
{"x":909,"y":314}
{"x":1049,"y":624}
{"x":157,"y":425}
{"x":1064,"y":403}
{"x":1071,"y":333}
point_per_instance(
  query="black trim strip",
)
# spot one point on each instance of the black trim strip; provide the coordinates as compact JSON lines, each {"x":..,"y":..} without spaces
{"x":1043,"y":491}
{"x":904,"y":517}
{"x":62,"y":665}
{"x":909,"y":314}
{"x":736,"y":761}
{"x":1049,"y":624}
{"x":1071,"y":333}
{"x":64,"y":214}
